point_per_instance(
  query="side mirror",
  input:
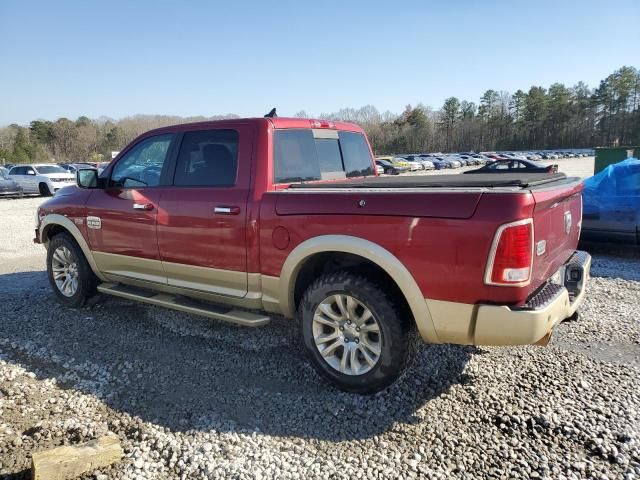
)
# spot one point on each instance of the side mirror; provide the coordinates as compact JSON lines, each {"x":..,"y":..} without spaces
{"x":31,"y":172}
{"x":87,"y":178}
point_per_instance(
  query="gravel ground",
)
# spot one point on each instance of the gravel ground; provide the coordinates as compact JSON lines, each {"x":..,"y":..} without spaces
{"x":194,"y":398}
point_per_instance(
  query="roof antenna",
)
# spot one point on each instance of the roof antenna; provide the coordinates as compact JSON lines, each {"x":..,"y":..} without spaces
{"x":271,"y":114}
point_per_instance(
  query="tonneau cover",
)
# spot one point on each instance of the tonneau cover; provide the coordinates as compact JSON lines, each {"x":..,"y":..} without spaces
{"x":487,"y":180}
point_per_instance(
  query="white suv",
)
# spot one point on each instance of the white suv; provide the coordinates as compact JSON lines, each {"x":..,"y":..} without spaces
{"x":44,"y":179}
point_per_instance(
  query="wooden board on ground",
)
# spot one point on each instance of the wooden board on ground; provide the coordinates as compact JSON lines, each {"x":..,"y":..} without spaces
{"x":63,"y":463}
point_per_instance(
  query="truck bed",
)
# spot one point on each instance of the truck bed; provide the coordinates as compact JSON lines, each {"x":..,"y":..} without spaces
{"x":486,"y":180}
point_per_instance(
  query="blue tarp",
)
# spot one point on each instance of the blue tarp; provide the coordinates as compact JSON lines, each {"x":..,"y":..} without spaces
{"x":614,"y":193}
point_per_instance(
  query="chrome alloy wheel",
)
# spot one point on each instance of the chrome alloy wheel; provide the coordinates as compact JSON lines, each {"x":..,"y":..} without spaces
{"x":347,"y":335}
{"x":65,"y":271}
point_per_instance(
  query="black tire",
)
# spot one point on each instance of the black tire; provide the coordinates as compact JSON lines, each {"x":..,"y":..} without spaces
{"x":87,"y":281}
{"x":398,"y":334}
{"x":573,"y":318}
{"x":44,"y":190}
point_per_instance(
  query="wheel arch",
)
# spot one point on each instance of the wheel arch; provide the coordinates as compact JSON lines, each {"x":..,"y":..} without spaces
{"x":371,"y":252}
{"x":54,"y":224}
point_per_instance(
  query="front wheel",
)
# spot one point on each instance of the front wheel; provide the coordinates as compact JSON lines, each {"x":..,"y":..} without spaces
{"x":44,"y":190}
{"x":354,"y":334}
{"x":70,"y":275}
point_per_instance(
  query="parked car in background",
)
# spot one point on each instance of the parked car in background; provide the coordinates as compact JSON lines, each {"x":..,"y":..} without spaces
{"x":482,"y":158}
{"x":8,"y":187}
{"x":426,"y":164}
{"x":470,"y":159}
{"x":74,"y":167}
{"x":101,"y":166}
{"x":446,"y":163}
{"x":509,"y":166}
{"x":611,"y":204}
{"x":395,"y":161}
{"x":400,"y":162}
{"x":455,"y":162}
{"x":68,"y":167}
{"x":457,"y":158}
{"x":391,"y":169}
{"x":414,"y":165}
{"x":437,"y":164}
{"x":44,"y":179}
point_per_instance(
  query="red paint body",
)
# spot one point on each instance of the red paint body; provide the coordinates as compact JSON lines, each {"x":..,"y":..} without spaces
{"x":442,"y":237}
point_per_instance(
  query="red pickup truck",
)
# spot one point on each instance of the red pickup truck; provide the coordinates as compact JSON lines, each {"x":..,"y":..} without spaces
{"x":242,"y":219}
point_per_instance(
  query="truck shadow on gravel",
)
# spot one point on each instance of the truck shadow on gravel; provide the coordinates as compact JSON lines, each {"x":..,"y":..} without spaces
{"x":184,"y":372}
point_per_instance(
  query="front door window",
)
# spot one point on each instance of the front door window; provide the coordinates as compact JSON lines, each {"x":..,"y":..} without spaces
{"x":142,"y":165}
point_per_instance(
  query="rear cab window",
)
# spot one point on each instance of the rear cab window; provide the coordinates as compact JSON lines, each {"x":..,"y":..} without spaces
{"x":303,"y":155}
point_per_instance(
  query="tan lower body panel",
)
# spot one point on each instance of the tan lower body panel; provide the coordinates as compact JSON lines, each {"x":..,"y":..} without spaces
{"x":214,"y":280}
{"x":270,"y":287}
{"x":499,"y":325}
{"x":130,"y":267}
{"x":467,"y":324}
{"x":214,"y":285}
{"x":453,"y":321}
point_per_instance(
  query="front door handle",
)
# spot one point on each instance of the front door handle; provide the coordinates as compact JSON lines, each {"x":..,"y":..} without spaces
{"x":227,"y":210}
{"x":143,"y":206}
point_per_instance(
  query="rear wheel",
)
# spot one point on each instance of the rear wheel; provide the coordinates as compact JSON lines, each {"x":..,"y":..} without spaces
{"x":354,"y":335}
{"x":44,"y":190}
{"x":70,"y":275}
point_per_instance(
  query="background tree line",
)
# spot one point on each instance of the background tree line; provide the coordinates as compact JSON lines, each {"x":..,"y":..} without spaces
{"x":557,"y":117}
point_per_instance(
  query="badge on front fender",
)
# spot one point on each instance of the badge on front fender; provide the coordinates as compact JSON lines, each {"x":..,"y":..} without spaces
{"x":94,"y":223}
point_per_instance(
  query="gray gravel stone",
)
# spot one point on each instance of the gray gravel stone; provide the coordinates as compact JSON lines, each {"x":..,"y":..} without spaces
{"x":192,"y":398}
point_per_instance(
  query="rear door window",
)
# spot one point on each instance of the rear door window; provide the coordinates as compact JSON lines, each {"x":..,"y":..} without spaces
{"x":307,"y":155}
{"x":207,"y":158}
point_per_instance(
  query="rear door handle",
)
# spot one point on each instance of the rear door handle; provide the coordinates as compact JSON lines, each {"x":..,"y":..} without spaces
{"x":227,"y":210}
{"x":143,"y":206}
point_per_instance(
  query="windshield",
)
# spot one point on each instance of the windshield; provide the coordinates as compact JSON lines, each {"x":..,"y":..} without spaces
{"x":47,"y":169}
{"x":4,"y":173}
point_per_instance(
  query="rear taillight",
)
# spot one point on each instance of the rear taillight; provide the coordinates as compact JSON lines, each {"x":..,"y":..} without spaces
{"x":511,"y":255}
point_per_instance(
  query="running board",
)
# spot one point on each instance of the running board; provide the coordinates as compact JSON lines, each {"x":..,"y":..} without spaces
{"x":184,"y":304}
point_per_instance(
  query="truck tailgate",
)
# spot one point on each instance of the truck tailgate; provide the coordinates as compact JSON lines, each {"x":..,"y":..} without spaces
{"x":557,"y":221}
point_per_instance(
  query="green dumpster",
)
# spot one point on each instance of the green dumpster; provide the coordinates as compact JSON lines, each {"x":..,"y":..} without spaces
{"x":605,"y":156}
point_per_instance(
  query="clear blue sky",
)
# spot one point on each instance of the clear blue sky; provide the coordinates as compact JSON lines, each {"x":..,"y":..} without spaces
{"x":118,"y":58}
